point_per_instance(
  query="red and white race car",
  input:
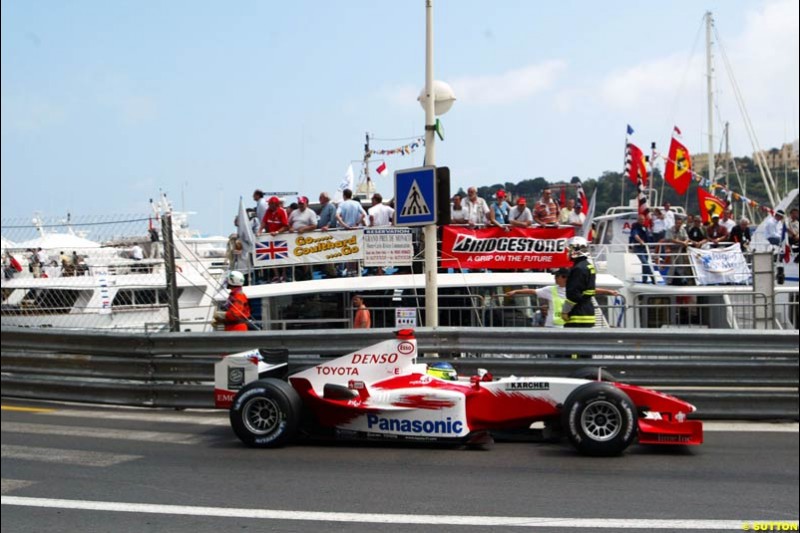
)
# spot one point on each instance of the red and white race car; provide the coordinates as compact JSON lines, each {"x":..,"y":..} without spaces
{"x":382,"y":392}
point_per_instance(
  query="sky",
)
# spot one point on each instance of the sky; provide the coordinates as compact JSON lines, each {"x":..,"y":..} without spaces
{"x":107,"y":104}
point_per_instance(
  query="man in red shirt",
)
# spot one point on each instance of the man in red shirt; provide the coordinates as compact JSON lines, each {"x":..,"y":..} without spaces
{"x":275,"y":219}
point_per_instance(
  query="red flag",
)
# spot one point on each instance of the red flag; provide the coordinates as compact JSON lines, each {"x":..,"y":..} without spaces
{"x":709,"y":204}
{"x":14,"y":263}
{"x":382,"y":169}
{"x":635,"y":164}
{"x":563,"y":198}
{"x":679,"y":167}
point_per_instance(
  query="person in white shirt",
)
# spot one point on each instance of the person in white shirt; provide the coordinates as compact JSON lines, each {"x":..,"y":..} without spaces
{"x":520,"y":216}
{"x":669,"y":217}
{"x":555,"y":294}
{"x":302,"y":219}
{"x":576,"y":218}
{"x":774,"y":227}
{"x":137,"y":254}
{"x":261,"y":204}
{"x":478,"y":213}
{"x":458,"y":213}
{"x":380,"y":214}
{"x":727,"y":220}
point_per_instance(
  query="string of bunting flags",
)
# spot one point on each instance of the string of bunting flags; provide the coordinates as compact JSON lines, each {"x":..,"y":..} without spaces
{"x":703,"y":181}
{"x":406,"y":149}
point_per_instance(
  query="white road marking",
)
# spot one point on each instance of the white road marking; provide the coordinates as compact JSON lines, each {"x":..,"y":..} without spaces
{"x":8,"y":485}
{"x":102,"y":433}
{"x":376,"y":518}
{"x":56,"y":455}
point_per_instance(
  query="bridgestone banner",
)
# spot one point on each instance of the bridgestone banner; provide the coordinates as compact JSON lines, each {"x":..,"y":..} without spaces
{"x":720,"y":266}
{"x":501,"y":249}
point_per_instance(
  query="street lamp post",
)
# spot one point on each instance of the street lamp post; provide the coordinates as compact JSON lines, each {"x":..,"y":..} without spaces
{"x":431,"y":281}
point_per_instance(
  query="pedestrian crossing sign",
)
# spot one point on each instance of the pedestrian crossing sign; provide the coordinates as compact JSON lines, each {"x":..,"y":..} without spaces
{"x":415,"y":196}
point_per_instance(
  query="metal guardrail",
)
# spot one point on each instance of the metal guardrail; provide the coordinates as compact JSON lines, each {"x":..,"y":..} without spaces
{"x":727,"y":374}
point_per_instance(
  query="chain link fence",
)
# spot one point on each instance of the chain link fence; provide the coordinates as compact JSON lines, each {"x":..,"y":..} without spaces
{"x":102,"y":272}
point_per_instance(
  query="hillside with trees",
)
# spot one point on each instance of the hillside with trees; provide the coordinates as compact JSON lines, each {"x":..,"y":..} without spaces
{"x":614,"y":189}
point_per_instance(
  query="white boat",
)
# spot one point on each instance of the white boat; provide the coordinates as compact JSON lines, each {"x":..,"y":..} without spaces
{"x":100,"y":286}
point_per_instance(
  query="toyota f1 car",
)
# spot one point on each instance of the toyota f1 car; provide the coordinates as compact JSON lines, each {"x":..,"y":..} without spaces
{"x":382,"y":392}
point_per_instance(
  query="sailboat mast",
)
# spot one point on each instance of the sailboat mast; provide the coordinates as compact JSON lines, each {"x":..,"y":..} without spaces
{"x":712,"y":169}
{"x":367,"y":155}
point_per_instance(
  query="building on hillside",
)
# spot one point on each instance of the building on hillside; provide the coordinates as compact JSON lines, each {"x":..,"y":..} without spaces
{"x":700,"y":162}
{"x":784,"y":158}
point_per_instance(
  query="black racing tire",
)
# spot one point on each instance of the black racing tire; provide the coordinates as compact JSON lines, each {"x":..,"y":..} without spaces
{"x":590,"y":373}
{"x":599,"y":419}
{"x":266,"y":413}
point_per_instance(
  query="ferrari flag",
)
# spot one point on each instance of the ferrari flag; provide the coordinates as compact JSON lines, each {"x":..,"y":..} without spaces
{"x":709,"y":204}
{"x":679,"y":167}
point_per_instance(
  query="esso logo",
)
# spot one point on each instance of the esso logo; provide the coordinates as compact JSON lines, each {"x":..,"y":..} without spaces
{"x":405,"y":348}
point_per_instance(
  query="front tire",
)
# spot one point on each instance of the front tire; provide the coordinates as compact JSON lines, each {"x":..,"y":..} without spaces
{"x":599,"y":419}
{"x":266,"y":413}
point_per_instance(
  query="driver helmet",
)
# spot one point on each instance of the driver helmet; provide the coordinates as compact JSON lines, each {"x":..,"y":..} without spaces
{"x":443,"y":370}
{"x":235,"y":278}
{"x":578,"y":247}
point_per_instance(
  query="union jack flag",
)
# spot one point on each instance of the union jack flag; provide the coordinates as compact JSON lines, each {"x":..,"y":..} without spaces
{"x":272,"y":250}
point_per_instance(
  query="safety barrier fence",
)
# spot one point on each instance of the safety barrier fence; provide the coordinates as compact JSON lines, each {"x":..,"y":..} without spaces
{"x":726,"y":374}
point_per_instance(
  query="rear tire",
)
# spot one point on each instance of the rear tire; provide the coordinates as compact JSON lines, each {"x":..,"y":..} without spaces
{"x":266,"y":413}
{"x":599,"y":419}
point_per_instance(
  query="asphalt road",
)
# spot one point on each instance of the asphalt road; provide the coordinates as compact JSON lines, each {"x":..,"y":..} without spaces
{"x":92,"y":469}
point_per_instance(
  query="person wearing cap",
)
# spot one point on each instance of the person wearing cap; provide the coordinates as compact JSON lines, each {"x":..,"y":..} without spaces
{"x":556,"y":295}
{"x":520,"y":216}
{"x":275,"y":220}
{"x":302,"y":219}
{"x":716,"y":232}
{"x":774,"y":227}
{"x":576,"y":218}
{"x":500,"y":208}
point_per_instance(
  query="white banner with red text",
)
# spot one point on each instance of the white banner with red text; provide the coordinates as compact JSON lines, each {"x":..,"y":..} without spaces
{"x":505,"y":249}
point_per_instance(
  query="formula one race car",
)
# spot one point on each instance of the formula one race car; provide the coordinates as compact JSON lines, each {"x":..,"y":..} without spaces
{"x":381,"y":392}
